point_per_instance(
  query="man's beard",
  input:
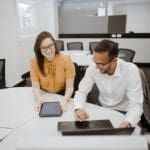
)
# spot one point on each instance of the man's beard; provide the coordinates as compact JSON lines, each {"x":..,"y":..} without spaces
{"x":102,"y":71}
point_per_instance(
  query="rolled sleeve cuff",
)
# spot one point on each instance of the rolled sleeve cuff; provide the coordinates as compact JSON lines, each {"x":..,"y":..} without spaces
{"x":79,"y":100}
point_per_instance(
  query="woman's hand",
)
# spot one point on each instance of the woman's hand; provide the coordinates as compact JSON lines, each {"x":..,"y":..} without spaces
{"x":38,"y":105}
{"x":64,"y":106}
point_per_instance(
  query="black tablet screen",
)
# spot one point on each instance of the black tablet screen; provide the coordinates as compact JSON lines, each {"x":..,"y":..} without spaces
{"x":50,"y":109}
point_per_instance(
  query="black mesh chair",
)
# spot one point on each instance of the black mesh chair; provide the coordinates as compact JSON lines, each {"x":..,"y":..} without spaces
{"x":126,"y":54}
{"x":93,"y":95}
{"x":2,"y":74}
{"x":92,"y":46}
{"x":60,"y":45}
{"x":75,"y":46}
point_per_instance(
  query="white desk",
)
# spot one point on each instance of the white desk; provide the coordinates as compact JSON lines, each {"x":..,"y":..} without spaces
{"x":17,"y":110}
{"x":81,"y":57}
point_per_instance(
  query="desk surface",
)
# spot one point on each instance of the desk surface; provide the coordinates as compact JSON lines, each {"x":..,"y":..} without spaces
{"x":81,"y":57}
{"x":17,"y":110}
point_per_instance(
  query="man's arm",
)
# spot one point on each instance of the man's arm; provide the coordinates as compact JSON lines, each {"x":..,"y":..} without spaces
{"x":135,"y":96}
{"x":80,"y":96}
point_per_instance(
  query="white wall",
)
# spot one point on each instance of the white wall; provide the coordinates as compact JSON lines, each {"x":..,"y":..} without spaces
{"x":16,"y":49}
{"x":49,"y":16}
{"x":138,"y":17}
{"x":137,"y":14}
{"x":9,"y":40}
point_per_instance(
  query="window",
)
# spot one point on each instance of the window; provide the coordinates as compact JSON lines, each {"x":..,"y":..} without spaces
{"x":28,"y":16}
{"x":101,"y":16}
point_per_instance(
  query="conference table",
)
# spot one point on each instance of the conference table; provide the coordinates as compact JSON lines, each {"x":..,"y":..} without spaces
{"x":31,"y":132}
{"x":80,"y":57}
{"x":83,"y":58}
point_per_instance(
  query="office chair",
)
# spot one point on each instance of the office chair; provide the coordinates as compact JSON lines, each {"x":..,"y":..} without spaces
{"x":75,"y":46}
{"x":92,"y":46}
{"x":126,"y":54}
{"x":145,"y":120}
{"x":2,"y":74}
{"x":60,"y":45}
{"x":93,"y":95}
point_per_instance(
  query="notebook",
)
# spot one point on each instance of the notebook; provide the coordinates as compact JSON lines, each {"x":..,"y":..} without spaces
{"x":93,"y":127}
{"x":50,"y":109}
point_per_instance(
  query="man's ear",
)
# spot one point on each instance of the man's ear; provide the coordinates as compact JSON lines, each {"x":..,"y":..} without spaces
{"x":114,"y":60}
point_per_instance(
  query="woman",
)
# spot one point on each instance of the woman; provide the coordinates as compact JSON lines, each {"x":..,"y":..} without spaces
{"x":50,"y":70}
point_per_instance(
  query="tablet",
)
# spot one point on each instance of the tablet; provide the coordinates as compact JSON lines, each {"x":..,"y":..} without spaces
{"x":50,"y":109}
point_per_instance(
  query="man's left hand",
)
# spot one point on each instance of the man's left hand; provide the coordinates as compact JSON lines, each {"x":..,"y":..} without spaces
{"x":125,"y":124}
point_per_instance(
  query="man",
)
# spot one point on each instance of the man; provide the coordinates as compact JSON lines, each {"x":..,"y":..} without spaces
{"x":118,"y":81}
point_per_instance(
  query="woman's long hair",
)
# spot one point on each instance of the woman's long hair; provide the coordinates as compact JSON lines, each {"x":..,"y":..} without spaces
{"x":39,"y":57}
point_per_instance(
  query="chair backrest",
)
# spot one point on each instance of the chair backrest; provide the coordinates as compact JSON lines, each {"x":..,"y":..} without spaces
{"x":60,"y":45}
{"x":126,"y":54}
{"x":146,"y":96}
{"x":2,"y":74}
{"x":75,"y":46}
{"x":93,"y":95}
{"x":92,"y":46}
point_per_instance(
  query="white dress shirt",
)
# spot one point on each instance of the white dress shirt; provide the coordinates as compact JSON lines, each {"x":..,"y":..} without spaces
{"x":120,"y":91}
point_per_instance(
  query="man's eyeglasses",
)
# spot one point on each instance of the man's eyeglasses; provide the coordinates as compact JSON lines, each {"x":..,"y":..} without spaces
{"x":46,"y":49}
{"x":104,"y":64}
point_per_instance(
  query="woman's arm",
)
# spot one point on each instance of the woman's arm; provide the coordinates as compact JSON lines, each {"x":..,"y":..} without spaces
{"x":68,"y":93}
{"x":37,"y":94}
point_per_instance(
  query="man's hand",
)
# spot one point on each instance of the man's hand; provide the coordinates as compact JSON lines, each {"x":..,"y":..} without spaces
{"x":81,"y":115}
{"x":125,"y":124}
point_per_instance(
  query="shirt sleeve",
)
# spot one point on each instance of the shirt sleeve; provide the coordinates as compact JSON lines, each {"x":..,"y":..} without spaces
{"x":135,"y":96}
{"x":33,"y":71}
{"x":69,"y":68}
{"x":85,"y":87}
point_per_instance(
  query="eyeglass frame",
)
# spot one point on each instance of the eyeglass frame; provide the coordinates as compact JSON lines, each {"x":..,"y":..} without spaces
{"x":103,"y":65}
{"x":49,"y":47}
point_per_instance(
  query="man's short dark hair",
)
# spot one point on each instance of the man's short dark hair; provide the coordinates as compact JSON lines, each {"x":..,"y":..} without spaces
{"x":107,"y":46}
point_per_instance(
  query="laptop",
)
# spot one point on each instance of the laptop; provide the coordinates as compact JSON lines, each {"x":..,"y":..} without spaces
{"x":93,"y":127}
{"x":50,"y":109}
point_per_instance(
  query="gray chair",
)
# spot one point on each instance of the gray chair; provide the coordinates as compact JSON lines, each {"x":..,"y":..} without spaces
{"x":126,"y":54}
{"x":2,"y":74}
{"x":92,"y":46}
{"x":60,"y":45}
{"x":75,"y":46}
{"x":146,"y":95}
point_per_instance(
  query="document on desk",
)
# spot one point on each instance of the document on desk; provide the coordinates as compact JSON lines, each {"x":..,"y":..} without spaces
{"x":4,"y":131}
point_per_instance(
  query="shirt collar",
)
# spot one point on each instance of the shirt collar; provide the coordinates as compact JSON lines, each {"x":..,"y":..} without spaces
{"x":49,"y":66}
{"x":117,"y":70}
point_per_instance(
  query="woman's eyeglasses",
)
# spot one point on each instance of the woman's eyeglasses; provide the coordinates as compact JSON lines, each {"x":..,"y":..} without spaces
{"x":46,"y":49}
